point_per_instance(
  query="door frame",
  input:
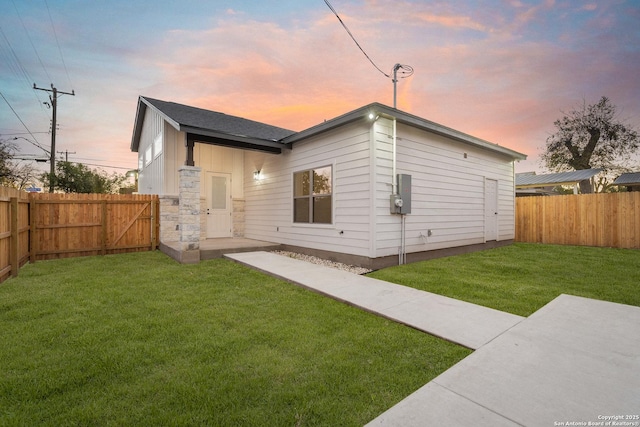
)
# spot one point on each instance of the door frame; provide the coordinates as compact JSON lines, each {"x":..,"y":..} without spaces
{"x":489,"y":207}
{"x":208,"y":175}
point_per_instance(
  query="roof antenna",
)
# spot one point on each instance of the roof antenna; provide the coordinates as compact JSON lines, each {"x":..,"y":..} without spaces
{"x":407,"y":70}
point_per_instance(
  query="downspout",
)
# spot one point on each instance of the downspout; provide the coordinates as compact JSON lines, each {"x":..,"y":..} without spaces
{"x":394,"y":185}
{"x":402,"y":257}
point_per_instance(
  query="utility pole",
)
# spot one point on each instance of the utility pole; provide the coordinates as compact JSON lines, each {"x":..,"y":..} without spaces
{"x":66,"y":154}
{"x":54,"y":104}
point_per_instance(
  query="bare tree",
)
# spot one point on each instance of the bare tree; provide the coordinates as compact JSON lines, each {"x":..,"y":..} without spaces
{"x":590,"y":137}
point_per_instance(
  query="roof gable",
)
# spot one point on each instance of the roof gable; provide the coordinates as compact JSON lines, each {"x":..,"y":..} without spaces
{"x":205,"y":122}
{"x":214,"y":127}
{"x":377,"y":109}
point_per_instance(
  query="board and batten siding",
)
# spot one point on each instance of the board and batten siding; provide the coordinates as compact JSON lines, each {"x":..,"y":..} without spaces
{"x":160,"y":154}
{"x":175,"y":155}
{"x":151,"y":154}
{"x":269,"y":202}
{"x":448,"y":191}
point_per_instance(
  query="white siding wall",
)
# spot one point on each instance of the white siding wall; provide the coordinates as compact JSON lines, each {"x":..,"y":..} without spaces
{"x":269,"y":203}
{"x":386,"y":231}
{"x":150,"y":161}
{"x":447,"y":191}
{"x":160,"y":176}
{"x":175,"y":154}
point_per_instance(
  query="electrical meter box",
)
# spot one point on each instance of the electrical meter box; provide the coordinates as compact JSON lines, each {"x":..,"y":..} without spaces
{"x":401,"y":202}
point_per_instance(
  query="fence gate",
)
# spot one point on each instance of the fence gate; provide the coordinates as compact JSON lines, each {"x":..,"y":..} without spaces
{"x":46,"y":226}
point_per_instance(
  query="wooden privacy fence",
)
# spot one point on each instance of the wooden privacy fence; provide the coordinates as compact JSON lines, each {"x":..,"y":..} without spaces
{"x":47,"y":226}
{"x":603,"y":219}
{"x":14,"y":231}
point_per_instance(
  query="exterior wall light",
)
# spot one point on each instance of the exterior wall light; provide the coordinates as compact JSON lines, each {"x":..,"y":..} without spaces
{"x":257,"y":175}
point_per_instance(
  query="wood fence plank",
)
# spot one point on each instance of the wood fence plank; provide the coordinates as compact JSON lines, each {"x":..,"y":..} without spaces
{"x":103,"y":239}
{"x":130,"y":223}
{"x":33,"y":247}
{"x":609,"y":220}
{"x":63,"y":225}
{"x":15,"y":246}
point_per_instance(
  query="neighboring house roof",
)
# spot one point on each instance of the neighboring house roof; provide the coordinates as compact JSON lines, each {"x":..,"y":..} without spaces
{"x":213,"y":127}
{"x":632,"y":178}
{"x":377,"y":109}
{"x":207,"y":124}
{"x":528,"y":179}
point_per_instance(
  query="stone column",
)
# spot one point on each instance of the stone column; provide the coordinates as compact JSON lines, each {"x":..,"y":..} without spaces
{"x":169,"y":209}
{"x":189,"y":213}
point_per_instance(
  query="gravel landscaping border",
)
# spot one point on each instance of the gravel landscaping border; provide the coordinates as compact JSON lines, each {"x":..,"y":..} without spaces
{"x":327,"y":263}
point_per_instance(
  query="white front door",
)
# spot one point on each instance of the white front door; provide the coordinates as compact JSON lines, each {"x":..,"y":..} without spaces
{"x":218,"y":193}
{"x":490,"y":210}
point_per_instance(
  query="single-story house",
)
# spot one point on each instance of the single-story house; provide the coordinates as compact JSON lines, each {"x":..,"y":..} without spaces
{"x":630,"y":180}
{"x":530,"y":184}
{"x":373,"y":187}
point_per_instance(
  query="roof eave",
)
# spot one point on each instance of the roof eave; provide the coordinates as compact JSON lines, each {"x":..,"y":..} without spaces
{"x":208,"y":136}
{"x":137,"y":125}
{"x":405,"y":118}
{"x":141,"y":110}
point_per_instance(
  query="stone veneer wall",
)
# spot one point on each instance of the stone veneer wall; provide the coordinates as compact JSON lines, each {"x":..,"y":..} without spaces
{"x":169,"y":209}
{"x":189,"y":209}
{"x":203,"y":218}
{"x":170,"y":218}
{"x":238,"y":217}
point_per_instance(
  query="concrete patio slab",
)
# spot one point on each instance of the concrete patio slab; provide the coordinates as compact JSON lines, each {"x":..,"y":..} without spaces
{"x":576,"y":360}
{"x":461,"y":322}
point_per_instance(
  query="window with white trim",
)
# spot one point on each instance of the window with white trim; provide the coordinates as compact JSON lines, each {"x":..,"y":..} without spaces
{"x":148,"y":156}
{"x":312,"y":196}
{"x":157,"y":145}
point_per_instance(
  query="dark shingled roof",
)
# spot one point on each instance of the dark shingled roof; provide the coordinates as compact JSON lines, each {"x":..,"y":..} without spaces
{"x":218,"y":128}
{"x":199,"y":118}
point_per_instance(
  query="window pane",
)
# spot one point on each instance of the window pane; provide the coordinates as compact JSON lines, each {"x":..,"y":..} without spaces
{"x":218,"y":192}
{"x":301,"y":184}
{"x":301,"y":210}
{"x":322,"y":210}
{"x":322,"y":180}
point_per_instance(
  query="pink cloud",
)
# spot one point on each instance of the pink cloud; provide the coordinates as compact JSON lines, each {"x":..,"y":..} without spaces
{"x":493,"y":85}
{"x":452,"y":21}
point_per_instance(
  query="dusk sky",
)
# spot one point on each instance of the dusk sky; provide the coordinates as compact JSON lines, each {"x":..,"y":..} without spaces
{"x":502,"y":71}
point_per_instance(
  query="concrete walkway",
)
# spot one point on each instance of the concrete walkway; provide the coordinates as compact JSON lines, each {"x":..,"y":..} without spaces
{"x":461,"y":322}
{"x":575,"y":361}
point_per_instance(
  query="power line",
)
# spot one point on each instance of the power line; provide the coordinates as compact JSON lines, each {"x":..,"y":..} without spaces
{"x":404,"y":70}
{"x":20,"y":71}
{"x":16,"y":114}
{"x":354,"y":39}
{"x":58,"y":43}
{"x":35,"y":144}
{"x":21,"y":133}
{"x":16,"y":65}
{"x":105,"y":166}
{"x":31,"y":41}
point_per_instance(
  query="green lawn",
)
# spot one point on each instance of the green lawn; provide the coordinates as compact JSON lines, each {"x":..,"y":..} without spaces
{"x":521,"y":278}
{"x":138,"y":339}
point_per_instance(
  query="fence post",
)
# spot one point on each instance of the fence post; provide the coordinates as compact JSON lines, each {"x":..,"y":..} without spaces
{"x":33,"y":241}
{"x":14,"y":250}
{"x":103,"y":204}
{"x":153,"y":225}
